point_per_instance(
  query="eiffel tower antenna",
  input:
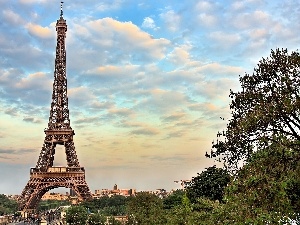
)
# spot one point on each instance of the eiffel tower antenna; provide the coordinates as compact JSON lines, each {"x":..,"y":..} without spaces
{"x":61,"y":9}
{"x":44,"y":176}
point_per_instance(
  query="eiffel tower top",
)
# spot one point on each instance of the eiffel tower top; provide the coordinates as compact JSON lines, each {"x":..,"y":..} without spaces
{"x":61,"y":21}
{"x":61,"y":9}
{"x":59,"y":113}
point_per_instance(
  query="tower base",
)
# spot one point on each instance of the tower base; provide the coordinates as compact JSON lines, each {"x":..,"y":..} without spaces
{"x":41,"y":182}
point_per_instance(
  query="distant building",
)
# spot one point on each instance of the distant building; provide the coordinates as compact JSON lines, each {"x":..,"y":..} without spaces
{"x":115,"y":191}
{"x":54,"y":196}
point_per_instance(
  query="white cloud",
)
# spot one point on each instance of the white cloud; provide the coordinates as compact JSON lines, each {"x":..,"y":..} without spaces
{"x":211,"y":111}
{"x":134,"y":43}
{"x":216,"y":69}
{"x":215,"y":89}
{"x":174,"y":116}
{"x":32,"y":120}
{"x":138,"y":128}
{"x":32,"y":1}
{"x":81,"y":95}
{"x":27,"y":89}
{"x":104,"y":105}
{"x":238,"y":5}
{"x":7,"y":75}
{"x":254,"y":19}
{"x":109,"y":5}
{"x":121,"y":111}
{"x":207,"y":20}
{"x":162,"y":101}
{"x":32,"y":81}
{"x":257,"y":34}
{"x":145,"y":131}
{"x":39,"y":31}
{"x":81,"y":30}
{"x":171,"y":19}
{"x":179,"y":56}
{"x":204,"y":6}
{"x":12,"y":17}
{"x":148,"y":23}
{"x":225,"y":40}
{"x":111,"y":71}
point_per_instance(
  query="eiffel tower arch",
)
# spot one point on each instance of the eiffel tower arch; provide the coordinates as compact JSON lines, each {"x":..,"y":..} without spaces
{"x":44,"y":176}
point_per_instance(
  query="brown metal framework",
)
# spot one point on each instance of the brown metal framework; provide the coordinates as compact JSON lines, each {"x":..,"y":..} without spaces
{"x":44,"y":176}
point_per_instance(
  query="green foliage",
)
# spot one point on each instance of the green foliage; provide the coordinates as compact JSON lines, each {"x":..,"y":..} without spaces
{"x":76,"y":215}
{"x":51,"y":204}
{"x":189,"y":213}
{"x":267,"y":107}
{"x":173,"y":199}
{"x":113,"y":210}
{"x":146,"y":209}
{"x":266,"y":189}
{"x":7,"y":206}
{"x":96,"y":219}
{"x":109,"y":206}
{"x":209,"y":184}
{"x":178,"y":215}
{"x":263,"y":133}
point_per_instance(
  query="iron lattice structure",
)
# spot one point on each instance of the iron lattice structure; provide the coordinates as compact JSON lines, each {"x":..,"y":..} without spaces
{"x":44,"y":176}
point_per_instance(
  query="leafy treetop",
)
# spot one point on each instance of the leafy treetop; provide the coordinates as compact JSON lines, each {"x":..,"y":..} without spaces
{"x":267,"y":107}
{"x":208,"y":184}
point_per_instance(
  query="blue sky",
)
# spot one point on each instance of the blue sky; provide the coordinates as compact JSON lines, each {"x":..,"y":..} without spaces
{"x":147,"y":82}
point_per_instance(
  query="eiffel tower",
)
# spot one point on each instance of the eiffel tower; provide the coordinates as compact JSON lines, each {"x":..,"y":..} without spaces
{"x":45,"y":176}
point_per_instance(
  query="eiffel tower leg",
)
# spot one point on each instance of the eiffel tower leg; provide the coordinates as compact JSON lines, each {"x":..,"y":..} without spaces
{"x":28,"y":198}
{"x":71,"y":154}
{"x":46,"y":156}
{"x":81,"y":189}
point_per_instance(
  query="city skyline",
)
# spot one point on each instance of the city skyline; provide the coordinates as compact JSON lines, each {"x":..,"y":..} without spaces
{"x":147,"y":82}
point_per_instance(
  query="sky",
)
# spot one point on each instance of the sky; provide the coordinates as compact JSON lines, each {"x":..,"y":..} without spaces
{"x":147,"y":82}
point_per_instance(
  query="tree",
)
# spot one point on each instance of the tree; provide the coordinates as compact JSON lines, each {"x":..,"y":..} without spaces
{"x":188,"y":213}
{"x":209,"y":184}
{"x":265,"y":190}
{"x":174,"y":199}
{"x":76,"y":215}
{"x":7,"y":206}
{"x":96,"y":219}
{"x":109,"y":206}
{"x":51,"y":204}
{"x":146,"y":209}
{"x":267,"y":107}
